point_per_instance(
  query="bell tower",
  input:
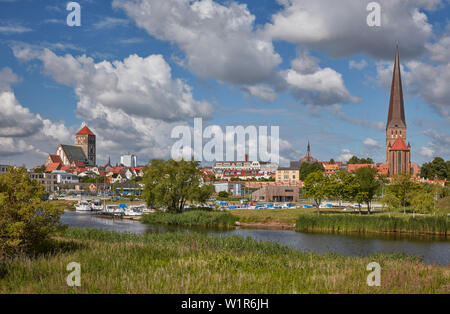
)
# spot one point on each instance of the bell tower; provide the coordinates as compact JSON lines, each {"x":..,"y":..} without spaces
{"x":86,"y":139}
{"x":396,"y":125}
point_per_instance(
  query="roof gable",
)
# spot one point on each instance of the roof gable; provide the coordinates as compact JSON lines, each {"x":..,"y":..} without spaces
{"x":85,"y":131}
{"x":399,"y":144}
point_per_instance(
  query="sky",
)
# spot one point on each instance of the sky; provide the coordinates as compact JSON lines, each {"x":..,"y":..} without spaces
{"x":136,"y":69}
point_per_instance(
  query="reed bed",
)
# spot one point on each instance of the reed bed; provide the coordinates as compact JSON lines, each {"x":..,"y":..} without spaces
{"x":192,"y":218}
{"x":197,"y":263}
{"x":437,"y":225}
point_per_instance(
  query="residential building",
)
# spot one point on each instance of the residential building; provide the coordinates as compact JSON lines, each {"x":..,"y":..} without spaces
{"x":66,"y":178}
{"x":287,"y":174}
{"x":48,"y":180}
{"x":276,"y":194}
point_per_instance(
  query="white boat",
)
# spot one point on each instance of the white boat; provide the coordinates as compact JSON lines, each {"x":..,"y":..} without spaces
{"x":96,"y":205}
{"x":83,"y":206}
{"x":114,"y":209}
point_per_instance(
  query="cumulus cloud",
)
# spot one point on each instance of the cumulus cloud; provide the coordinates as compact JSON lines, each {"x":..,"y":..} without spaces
{"x":7,"y":77}
{"x":134,"y":103}
{"x":345,"y":155}
{"x":261,"y":91}
{"x":218,"y":40}
{"x":142,"y":87}
{"x":340,"y":27}
{"x":314,"y":85}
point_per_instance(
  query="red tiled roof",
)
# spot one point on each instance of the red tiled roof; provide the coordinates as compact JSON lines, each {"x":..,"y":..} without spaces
{"x":53,"y":166}
{"x":85,"y":131}
{"x":399,"y":144}
{"x":55,"y":158}
{"x":352,"y":167}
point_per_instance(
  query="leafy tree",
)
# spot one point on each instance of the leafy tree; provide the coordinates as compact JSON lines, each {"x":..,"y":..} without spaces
{"x":332,"y":162}
{"x":317,"y":187}
{"x":423,"y":202}
{"x":437,"y":169}
{"x":212,"y":177}
{"x":306,"y":169}
{"x":172,"y":183}
{"x":223,"y":194}
{"x":356,"y":160}
{"x":368,"y":184}
{"x":343,"y":186}
{"x":25,"y":219}
{"x":401,"y":187}
{"x":40,"y":169}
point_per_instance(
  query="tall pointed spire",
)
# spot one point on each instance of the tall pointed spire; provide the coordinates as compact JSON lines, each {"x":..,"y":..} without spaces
{"x":396,"y":116}
{"x":309,"y":148}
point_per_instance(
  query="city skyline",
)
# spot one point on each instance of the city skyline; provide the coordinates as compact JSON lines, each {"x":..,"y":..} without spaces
{"x":328,"y":83}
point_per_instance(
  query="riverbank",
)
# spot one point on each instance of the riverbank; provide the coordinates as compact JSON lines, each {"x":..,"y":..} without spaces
{"x":192,"y":218}
{"x":195,"y":263}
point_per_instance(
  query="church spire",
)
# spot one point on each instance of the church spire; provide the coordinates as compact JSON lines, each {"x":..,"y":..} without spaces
{"x":396,"y":116}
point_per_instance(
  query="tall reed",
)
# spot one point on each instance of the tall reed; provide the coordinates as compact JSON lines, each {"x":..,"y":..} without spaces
{"x":363,"y":224}
{"x":192,"y":218}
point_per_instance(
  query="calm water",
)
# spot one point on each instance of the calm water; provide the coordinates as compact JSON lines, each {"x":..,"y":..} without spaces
{"x":433,"y":250}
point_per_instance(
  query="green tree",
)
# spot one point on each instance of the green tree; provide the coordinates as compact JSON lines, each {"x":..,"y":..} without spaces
{"x":25,"y":219}
{"x":306,"y":169}
{"x":343,"y":186}
{"x":317,"y":187}
{"x":171,"y":184}
{"x":401,"y":187}
{"x":423,"y":202}
{"x":356,"y":160}
{"x":437,"y":169}
{"x":368,"y":185}
{"x":223,"y":194}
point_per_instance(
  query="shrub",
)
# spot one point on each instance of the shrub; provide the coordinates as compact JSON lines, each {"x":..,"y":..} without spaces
{"x":26,"y":221}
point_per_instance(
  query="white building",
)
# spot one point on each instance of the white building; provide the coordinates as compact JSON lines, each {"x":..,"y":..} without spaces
{"x":66,"y":177}
{"x":128,"y":160}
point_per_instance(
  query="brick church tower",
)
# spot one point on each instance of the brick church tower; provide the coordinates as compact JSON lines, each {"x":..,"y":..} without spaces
{"x":85,"y":139}
{"x":398,"y":155}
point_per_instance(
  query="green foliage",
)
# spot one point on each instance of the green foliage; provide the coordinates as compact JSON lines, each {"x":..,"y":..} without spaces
{"x":343,"y":186}
{"x":317,"y":187}
{"x":306,"y":169}
{"x":195,"y":263}
{"x":368,"y":183}
{"x":436,"y":169}
{"x":223,"y":194}
{"x":364,"y":224}
{"x":401,"y":189}
{"x":25,"y":220}
{"x":170,"y":184}
{"x":94,"y":180}
{"x":423,"y":202}
{"x":356,"y":160}
{"x":192,"y":218}
{"x":40,"y":169}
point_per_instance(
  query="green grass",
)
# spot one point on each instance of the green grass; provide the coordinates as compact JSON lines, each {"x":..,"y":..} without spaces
{"x":196,"y":263}
{"x":192,"y":218}
{"x":382,"y":223}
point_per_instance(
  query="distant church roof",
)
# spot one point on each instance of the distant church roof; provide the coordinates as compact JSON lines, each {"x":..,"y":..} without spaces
{"x":74,"y":153}
{"x":396,"y":116}
{"x":399,"y":144}
{"x":85,"y":131}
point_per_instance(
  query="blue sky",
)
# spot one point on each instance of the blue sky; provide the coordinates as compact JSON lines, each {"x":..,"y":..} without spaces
{"x":314,"y":68}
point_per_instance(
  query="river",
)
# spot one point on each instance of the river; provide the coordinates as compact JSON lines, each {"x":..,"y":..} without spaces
{"x":434,"y":250}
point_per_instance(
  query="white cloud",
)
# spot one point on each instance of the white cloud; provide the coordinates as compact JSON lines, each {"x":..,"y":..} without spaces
{"x":426,"y":152}
{"x":357,"y":65}
{"x":260,"y":91}
{"x":345,"y":155}
{"x":315,"y":85}
{"x":218,"y":40}
{"x":133,"y":104}
{"x":371,"y":142}
{"x":341,"y":27}
{"x":7,"y":77}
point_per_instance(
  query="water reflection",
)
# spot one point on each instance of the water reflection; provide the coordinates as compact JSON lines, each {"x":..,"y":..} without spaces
{"x":433,"y":250}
